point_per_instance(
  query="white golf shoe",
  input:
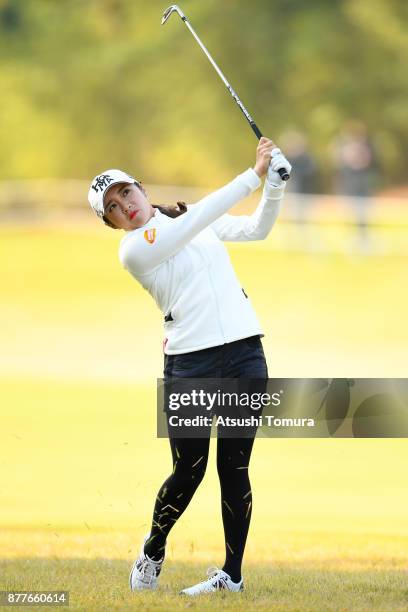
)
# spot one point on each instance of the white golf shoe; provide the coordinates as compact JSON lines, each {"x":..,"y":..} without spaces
{"x":145,"y":571}
{"x":217,"y":580}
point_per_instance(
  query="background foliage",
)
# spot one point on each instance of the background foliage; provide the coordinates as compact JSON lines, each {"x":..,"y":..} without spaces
{"x":91,"y":84}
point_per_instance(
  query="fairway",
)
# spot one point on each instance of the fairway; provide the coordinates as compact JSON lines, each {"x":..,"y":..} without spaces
{"x":316,"y":135}
{"x":80,"y":463}
{"x":73,"y":312}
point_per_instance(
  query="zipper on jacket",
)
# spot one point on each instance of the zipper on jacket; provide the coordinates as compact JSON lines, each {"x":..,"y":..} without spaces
{"x":217,"y":305}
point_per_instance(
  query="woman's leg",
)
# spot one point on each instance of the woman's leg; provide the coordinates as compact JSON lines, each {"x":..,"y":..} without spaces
{"x":190,"y":457}
{"x":233,"y":456}
{"x":244,"y":359}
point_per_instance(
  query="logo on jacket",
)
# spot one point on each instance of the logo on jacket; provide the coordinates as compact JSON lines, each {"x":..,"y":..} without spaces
{"x":150,"y":235}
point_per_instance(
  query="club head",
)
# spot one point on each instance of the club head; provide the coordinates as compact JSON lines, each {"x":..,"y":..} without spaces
{"x":172,"y":9}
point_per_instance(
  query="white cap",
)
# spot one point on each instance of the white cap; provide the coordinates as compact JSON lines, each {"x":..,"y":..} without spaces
{"x":101,"y":184}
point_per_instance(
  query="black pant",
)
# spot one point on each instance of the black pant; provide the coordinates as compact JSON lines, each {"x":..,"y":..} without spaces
{"x":241,"y":359}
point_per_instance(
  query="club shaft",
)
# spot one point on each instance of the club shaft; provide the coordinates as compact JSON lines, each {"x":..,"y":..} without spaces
{"x":224,"y":80}
{"x":282,"y":172}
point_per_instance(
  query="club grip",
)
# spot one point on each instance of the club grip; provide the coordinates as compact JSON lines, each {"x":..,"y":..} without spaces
{"x":282,"y":172}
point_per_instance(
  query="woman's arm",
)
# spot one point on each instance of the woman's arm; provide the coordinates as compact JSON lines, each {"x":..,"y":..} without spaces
{"x":256,"y":226}
{"x":141,"y":256}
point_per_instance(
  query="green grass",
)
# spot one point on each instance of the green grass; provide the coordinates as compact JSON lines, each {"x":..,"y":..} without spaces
{"x":69,"y":310}
{"x":81,"y":468}
{"x":102,"y":584}
{"x":80,"y":464}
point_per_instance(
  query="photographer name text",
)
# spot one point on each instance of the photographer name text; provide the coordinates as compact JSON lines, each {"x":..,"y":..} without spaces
{"x":252,"y":421}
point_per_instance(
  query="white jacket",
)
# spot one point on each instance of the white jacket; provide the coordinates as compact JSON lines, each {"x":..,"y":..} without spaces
{"x":184,"y":265}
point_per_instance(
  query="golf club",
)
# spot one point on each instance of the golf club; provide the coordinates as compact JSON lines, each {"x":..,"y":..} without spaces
{"x":176,"y":9}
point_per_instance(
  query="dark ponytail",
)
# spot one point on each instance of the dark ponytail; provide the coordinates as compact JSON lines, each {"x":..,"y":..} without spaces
{"x":172,"y":211}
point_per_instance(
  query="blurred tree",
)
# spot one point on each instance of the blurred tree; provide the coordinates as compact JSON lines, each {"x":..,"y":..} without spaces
{"x":10,"y":16}
{"x":89,"y":84}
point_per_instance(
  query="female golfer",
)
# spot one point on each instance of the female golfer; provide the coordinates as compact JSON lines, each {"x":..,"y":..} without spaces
{"x":211,"y":330}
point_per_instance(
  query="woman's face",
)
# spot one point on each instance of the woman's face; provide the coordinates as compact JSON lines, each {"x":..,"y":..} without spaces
{"x":127,"y":207}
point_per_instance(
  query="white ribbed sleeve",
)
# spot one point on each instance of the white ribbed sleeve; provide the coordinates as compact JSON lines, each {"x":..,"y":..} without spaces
{"x":252,"y":227}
